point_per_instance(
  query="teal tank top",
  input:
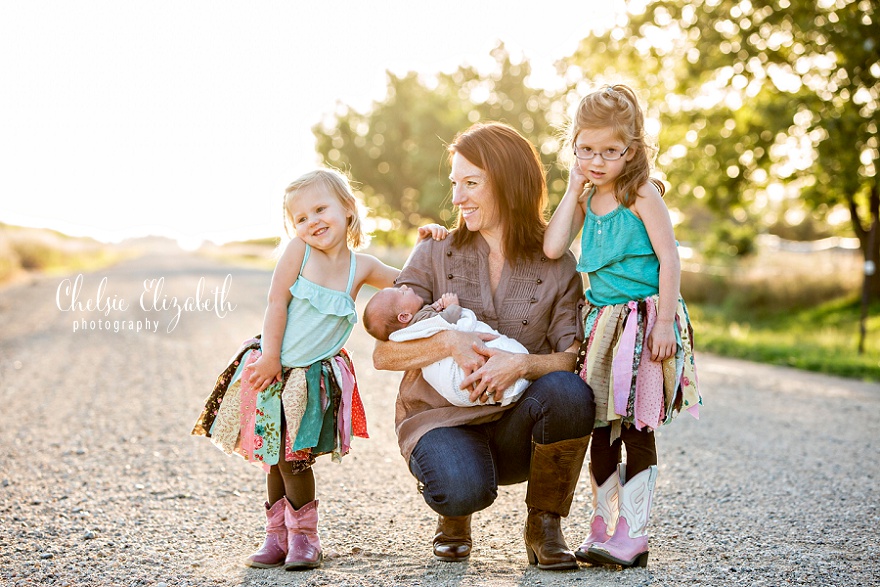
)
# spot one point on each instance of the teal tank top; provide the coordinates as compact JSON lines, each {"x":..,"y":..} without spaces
{"x":617,"y":256}
{"x":319,"y":319}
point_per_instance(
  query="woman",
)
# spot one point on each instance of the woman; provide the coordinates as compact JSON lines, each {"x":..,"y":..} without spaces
{"x":493,"y":261}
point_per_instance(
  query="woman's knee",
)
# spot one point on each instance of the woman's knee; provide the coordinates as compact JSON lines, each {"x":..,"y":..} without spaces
{"x":454,"y":482}
{"x":565,"y":393}
{"x":459,"y":497}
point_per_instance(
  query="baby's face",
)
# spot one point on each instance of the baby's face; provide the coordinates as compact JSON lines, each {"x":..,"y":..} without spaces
{"x":405,"y":300}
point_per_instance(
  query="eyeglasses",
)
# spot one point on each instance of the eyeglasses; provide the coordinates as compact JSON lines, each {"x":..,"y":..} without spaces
{"x":586,"y":153}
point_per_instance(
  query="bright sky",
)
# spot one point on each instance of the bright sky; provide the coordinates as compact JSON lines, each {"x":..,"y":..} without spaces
{"x":188,"y":119}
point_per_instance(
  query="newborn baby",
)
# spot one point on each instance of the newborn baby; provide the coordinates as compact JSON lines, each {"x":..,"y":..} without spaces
{"x":399,"y":315}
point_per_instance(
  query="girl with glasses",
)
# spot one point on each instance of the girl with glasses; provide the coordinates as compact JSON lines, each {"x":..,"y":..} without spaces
{"x":638,"y":354}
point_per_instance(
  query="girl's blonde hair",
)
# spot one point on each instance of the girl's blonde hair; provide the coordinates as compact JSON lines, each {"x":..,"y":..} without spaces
{"x":616,"y":106}
{"x":337,"y":184}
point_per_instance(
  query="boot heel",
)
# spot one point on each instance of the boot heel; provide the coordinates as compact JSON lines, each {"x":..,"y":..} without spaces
{"x":642,"y":560}
{"x":452,"y":541}
{"x":533,"y":559}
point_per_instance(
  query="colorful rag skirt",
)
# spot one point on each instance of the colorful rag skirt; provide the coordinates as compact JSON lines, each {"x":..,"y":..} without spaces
{"x":615,"y":361}
{"x":312,"y":411}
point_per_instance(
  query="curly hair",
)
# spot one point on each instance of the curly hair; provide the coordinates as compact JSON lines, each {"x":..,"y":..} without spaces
{"x":617,"y":107}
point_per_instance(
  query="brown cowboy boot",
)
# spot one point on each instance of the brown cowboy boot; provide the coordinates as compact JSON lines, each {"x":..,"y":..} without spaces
{"x":552,"y":479}
{"x":452,"y":542}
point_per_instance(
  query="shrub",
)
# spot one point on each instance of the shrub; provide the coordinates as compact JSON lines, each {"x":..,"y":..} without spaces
{"x":772,"y":282}
{"x":9,"y":260}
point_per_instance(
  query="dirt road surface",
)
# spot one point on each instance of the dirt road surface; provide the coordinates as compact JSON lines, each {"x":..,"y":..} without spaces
{"x":101,"y":484}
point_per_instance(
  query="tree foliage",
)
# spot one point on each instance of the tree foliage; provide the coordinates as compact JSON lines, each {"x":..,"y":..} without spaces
{"x":762,"y":105}
{"x":397,"y":150}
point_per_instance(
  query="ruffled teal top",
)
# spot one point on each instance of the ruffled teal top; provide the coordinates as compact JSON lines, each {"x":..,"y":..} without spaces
{"x":319,"y":319}
{"x":617,"y":256}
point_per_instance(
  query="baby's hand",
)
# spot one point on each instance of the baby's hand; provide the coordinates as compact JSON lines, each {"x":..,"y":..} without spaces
{"x":435,"y":231}
{"x":448,"y":299}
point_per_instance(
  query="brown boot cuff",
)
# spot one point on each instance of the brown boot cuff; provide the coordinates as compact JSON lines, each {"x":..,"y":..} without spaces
{"x":554,"y":474}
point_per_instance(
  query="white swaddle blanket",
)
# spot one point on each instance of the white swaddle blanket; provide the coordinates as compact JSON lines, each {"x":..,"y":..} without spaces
{"x":445,"y":375}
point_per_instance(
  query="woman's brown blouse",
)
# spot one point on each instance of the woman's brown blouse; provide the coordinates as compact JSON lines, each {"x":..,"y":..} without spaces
{"x":537,"y":302}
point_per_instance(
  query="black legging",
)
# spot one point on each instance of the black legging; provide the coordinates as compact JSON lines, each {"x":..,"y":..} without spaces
{"x":641,"y":452}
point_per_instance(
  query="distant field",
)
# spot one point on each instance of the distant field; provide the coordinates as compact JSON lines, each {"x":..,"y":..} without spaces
{"x":798,"y":308}
{"x":24,"y":250}
{"x":823,"y":338}
{"x":789,"y":305}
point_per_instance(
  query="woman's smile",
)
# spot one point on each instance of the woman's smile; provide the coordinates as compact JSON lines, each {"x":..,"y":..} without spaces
{"x":472,"y":194}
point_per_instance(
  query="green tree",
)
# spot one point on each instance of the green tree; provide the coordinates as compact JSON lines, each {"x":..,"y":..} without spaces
{"x":759,"y":101}
{"x":396,"y":151}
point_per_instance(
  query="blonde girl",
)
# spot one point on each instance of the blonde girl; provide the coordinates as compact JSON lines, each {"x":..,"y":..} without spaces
{"x":637,"y":356}
{"x":291,"y":394}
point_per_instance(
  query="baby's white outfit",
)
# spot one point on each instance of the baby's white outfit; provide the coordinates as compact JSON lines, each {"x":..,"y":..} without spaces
{"x":445,"y":375}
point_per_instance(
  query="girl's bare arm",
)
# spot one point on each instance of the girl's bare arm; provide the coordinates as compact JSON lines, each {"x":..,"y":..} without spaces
{"x":654,"y":214}
{"x":267,"y":368}
{"x":568,"y":218}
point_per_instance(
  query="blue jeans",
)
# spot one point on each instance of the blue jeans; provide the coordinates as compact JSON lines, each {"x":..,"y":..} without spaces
{"x":462,"y":467}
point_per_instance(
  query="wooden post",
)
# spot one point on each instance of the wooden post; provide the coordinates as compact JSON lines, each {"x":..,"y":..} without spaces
{"x":870,"y":269}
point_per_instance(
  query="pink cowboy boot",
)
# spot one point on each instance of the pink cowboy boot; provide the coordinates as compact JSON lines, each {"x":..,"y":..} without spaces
{"x":303,"y":543}
{"x":603,"y":519}
{"x":629,"y":545}
{"x":274,"y":548}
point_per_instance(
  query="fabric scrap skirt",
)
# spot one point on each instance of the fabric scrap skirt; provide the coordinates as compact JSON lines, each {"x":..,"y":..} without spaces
{"x":615,"y":361}
{"x":312,"y":411}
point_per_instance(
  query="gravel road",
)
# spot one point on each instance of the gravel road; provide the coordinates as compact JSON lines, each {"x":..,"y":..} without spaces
{"x":101,"y":484}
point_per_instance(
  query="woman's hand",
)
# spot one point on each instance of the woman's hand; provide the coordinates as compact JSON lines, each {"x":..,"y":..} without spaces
{"x":500,"y":370}
{"x":661,"y":341}
{"x":464,"y":350}
{"x":263,"y":372}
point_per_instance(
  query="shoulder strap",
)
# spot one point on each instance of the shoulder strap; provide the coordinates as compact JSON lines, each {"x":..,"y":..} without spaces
{"x":351,"y":271}
{"x":590,"y":201}
{"x":305,"y":258}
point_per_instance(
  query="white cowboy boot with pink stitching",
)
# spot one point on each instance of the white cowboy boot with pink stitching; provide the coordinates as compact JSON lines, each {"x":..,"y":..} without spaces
{"x":628,"y":546}
{"x":603,"y":519}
